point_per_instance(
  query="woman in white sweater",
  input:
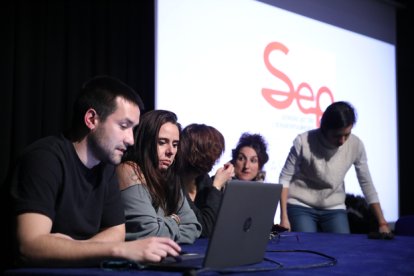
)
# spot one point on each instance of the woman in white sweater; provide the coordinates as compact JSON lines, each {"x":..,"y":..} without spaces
{"x":313,"y":196}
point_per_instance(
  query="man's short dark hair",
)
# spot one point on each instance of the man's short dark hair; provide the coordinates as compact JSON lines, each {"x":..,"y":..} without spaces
{"x":100,"y":93}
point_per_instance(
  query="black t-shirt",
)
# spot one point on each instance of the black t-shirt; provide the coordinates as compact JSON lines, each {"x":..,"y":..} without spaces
{"x":50,"y":179}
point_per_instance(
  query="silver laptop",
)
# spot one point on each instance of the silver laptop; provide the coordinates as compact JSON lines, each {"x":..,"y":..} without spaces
{"x":241,"y":232}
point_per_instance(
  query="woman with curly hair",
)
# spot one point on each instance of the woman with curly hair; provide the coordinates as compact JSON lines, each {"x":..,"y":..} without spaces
{"x":249,"y":157}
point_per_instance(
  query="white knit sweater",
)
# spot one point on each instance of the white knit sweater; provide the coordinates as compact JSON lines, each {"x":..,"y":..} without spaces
{"x":314,"y":171}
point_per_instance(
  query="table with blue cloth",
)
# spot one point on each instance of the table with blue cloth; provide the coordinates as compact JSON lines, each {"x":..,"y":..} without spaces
{"x":291,"y":253}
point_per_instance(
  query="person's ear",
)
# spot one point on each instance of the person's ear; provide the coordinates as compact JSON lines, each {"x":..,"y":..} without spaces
{"x":91,"y":118}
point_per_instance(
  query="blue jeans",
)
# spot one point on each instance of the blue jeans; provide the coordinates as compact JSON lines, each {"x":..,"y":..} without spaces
{"x":303,"y":219}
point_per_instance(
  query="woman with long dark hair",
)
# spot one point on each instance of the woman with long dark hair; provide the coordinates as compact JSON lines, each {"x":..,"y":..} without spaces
{"x":150,"y":186}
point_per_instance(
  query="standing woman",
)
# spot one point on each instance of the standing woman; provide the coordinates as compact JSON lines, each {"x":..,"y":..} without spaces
{"x":150,"y":187}
{"x":313,"y":195}
{"x":201,"y":146}
{"x":249,"y":157}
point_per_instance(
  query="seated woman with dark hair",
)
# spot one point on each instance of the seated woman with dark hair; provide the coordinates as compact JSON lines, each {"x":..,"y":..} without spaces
{"x":249,"y":157}
{"x":150,"y":186}
{"x":201,"y":146}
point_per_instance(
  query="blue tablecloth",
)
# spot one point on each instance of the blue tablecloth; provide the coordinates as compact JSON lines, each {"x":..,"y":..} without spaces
{"x":296,"y":254}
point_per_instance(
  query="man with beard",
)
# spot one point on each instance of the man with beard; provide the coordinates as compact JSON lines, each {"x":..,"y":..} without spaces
{"x":67,"y":209}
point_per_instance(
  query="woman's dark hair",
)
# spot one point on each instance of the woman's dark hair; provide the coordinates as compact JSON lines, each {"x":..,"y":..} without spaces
{"x":163,"y":186}
{"x":338,"y":115}
{"x":255,"y":141}
{"x":201,"y":146}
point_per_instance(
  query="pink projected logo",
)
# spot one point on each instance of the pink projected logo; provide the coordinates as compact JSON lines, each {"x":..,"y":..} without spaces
{"x":283,"y":99}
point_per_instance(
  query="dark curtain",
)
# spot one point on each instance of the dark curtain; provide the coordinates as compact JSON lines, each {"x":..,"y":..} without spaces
{"x":49,"y":48}
{"x":405,"y":93}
